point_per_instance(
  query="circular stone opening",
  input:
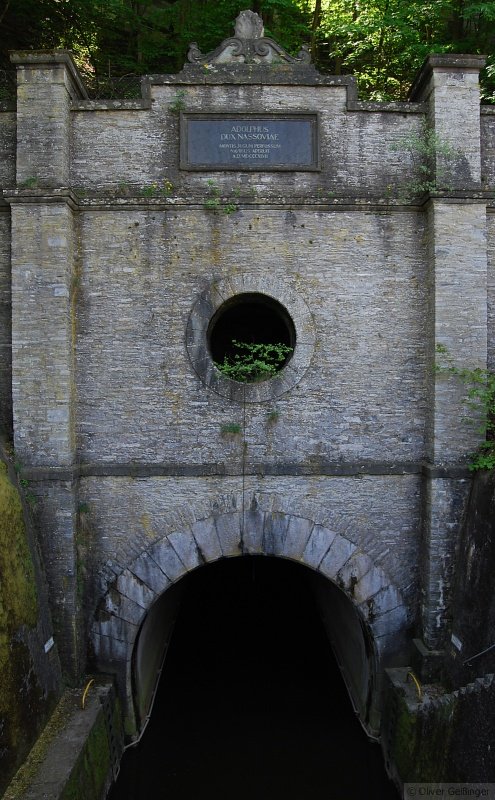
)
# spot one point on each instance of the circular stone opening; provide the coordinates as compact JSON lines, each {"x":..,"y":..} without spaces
{"x":251,"y":337}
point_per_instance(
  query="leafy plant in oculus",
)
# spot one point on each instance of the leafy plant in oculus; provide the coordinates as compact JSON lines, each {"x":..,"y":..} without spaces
{"x":252,"y":363}
{"x":480,"y":399}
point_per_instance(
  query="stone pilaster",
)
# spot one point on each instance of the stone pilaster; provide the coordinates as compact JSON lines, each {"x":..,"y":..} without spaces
{"x":43,"y":252}
{"x":44,"y":286}
{"x":457,"y":269}
{"x":449,"y":84}
{"x":47,"y":82}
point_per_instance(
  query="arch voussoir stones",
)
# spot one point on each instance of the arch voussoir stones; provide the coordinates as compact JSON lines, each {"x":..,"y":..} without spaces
{"x":118,"y":605}
{"x":148,"y":571}
{"x":133,"y":588}
{"x":116,"y":628}
{"x":358,"y":577}
{"x":167,"y":559}
{"x":254,"y":527}
{"x":298,"y":533}
{"x":109,"y":651}
{"x":386,"y":599}
{"x":206,"y":537}
{"x":229,"y":533}
{"x":317,"y":546}
{"x":337,"y":555}
{"x":225,"y":533}
{"x":186,"y":548}
{"x":389,"y":621}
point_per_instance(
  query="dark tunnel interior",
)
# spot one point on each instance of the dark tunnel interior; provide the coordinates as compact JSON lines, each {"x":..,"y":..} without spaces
{"x":251,"y":703}
{"x":250,"y":317}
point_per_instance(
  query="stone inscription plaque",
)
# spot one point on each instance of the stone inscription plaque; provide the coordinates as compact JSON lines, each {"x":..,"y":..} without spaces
{"x":249,"y":142}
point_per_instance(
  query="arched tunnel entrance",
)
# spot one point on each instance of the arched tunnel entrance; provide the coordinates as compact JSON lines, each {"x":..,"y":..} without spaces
{"x":251,"y":702}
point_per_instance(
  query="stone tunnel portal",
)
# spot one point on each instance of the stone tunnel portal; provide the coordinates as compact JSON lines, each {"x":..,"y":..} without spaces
{"x":363,"y":613}
{"x":249,"y":679}
{"x":245,"y":591}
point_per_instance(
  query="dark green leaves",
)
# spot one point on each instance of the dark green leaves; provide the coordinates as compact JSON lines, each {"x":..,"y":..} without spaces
{"x":252,"y":363}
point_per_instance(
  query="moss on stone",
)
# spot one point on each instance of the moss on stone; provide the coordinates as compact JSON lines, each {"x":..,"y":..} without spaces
{"x":18,"y":602}
{"x":422,"y":740}
{"x":88,"y":780}
{"x":29,"y":768}
{"x":405,"y":737}
{"x":20,"y":695}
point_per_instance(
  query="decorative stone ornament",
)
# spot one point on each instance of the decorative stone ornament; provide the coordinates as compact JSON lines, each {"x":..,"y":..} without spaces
{"x":249,"y":25}
{"x":248,"y":46}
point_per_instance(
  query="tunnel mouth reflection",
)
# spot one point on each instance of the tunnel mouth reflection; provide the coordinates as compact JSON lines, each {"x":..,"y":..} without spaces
{"x":251,"y":702}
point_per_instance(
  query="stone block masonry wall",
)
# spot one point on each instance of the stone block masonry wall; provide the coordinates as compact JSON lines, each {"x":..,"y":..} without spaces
{"x":491,"y":287}
{"x":442,"y":739}
{"x":42,"y":286}
{"x":46,"y":83}
{"x":7,"y":178}
{"x":362,"y":396}
{"x":364,"y":152}
{"x":5,"y":326}
{"x":115,"y":258}
{"x":457,"y":270}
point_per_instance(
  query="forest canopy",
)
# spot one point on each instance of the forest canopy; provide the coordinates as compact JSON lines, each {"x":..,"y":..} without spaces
{"x":381,"y":42}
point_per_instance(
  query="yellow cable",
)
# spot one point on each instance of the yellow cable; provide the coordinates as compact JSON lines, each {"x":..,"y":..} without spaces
{"x":416,"y":683}
{"x":86,"y":692}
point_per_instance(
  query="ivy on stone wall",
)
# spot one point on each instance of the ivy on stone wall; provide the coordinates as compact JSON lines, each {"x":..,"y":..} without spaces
{"x":479,"y":401}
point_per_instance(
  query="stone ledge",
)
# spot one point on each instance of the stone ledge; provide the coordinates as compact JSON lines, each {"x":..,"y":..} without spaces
{"x":445,"y":62}
{"x":41,"y":196}
{"x":290,"y":469}
{"x":74,"y":741}
{"x":33,"y":59}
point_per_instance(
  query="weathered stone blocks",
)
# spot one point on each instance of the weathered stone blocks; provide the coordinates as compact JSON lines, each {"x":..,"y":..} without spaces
{"x":118,"y":405}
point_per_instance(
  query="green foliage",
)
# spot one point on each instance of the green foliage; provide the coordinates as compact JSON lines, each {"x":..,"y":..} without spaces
{"x":252,"y":363}
{"x":382,"y":42}
{"x":179,"y":102}
{"x":117,"y":37}
{"x":231,"y":427}
{"x":29,"y":183}
{"x":480,"y":400}
{"x":18,"y":603}
{"x":155,"y":190}
{"x":214,"y":201}
{"x":431,"y":158}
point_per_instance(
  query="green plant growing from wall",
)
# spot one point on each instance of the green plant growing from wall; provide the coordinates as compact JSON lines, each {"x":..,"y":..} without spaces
{"x":215,"y":202}
{"x":231,"y":428}
{"x":252,"y":363}
{"x":479,"y":399}
{"x":29,"y":183}
{"x":178,"y":104}
{"x":157,"y":190}
{"x":431,"y":159}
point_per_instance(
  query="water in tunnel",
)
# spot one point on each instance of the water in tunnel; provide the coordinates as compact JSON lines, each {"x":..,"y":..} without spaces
{"x":251,"y":703}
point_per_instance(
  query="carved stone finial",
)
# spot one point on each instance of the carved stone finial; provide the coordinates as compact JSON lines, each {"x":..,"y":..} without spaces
{"x":249,"y":25}
{"x":248,"y":46}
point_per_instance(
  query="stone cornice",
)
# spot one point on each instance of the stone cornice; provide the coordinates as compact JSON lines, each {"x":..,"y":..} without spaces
{"x":318,"y":468}
{"x":41,"y":197}
{"x":33,"y":59}
{"x":445,"y":62}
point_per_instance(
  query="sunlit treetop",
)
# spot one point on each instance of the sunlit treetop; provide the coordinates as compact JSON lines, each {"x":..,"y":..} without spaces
{"x":381,"y":42}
